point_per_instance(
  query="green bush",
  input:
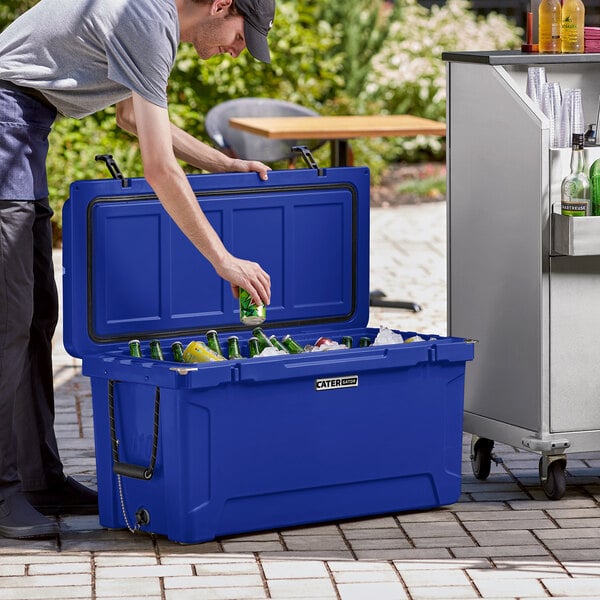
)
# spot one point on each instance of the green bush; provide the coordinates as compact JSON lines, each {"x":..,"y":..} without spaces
{"x":408,"y":75}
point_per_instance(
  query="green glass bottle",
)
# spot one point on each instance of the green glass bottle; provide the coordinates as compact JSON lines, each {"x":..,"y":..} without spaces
{"x":177,"y":351}
{"x":291,"y":345}
{"x":156,"y":351}
{"x":233,"y":348}
{"x":595,"y":188}
{"x":575,"y":187}
{"x":135,"y":349}
{"x":277,"y":344}
{"x":212,"y":339}
{"x":364,"y":341}
{"x":347,"y":341}
{"x":253,"y":346}
{"x":261,"y":336}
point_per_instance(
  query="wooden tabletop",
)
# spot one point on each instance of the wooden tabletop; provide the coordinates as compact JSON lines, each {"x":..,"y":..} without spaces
{"x":338,"y":127}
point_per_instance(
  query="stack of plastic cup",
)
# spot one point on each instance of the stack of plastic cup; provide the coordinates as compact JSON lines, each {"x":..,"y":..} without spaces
{"x":551,"y":106}
{"x":556,"y":99}
{"x":564,"y":133}
{"x":536,"y":76}
{"x":577,"y":123}
{"x":548,"y":109}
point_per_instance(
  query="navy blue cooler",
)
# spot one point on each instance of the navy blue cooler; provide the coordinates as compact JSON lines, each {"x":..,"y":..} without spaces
{"x":195,"y":451}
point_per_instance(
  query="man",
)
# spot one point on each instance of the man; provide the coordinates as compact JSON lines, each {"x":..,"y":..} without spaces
{"x":75,"y":58}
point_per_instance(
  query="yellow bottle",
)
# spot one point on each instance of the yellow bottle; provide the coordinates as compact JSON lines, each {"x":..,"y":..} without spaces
{"x":549,"y":25}
{"x":573,"y":21}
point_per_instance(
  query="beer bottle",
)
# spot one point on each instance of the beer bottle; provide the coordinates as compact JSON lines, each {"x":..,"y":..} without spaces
{"x":364,"y":341}
{"x":156,"y":351}
{"x":135,"y":348}
{"x":233,"y":346}
{"x":254,"y":347}
{"x":212,"y":338}
{"x":347,"y":341}
{"x":177,"y":351}
{"x":261,"y":336}
{"x":277,"y":344}
{"x":291,"y":345}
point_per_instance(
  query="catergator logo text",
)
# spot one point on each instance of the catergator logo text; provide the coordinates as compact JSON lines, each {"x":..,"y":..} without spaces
{"x":335,"y":383}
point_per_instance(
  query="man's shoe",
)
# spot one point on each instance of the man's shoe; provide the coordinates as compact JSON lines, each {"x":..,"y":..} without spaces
{"x":19,"y":520}
{"x":66,"y":498}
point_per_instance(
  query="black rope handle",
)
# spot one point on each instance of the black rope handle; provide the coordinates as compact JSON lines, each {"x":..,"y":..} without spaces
{"x":128,"y":469}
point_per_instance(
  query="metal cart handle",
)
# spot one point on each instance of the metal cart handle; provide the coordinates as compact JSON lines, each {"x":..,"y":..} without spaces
{"x":128,"y":469}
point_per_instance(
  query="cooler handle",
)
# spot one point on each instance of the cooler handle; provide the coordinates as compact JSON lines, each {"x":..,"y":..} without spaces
{"x":113,"y":168}
{"x":309,"y":159}
{"x":127,"y":469}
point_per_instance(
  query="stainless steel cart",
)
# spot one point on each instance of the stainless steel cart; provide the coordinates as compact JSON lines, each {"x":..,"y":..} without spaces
{"x":523,"y":280}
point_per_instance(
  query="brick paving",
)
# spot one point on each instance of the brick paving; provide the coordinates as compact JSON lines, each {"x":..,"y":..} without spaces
{"x":502,"y":540}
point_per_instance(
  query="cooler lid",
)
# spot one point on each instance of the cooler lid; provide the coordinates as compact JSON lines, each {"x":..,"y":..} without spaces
{"x":129,"y":272}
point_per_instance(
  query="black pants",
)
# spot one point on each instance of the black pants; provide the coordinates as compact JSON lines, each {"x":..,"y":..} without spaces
{"x":28,"y":318}
{"x":29,"y":456}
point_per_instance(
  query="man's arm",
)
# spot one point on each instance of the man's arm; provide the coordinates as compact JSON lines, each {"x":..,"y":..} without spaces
{"x":165,"y":175}
{"x":191,"y":150}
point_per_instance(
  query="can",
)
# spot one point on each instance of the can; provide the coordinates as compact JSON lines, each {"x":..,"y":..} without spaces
{"x":177,"y":351}
{"x":135,"y":349}
{"x":251,"y":313}
{"x":212,"y":340}
{"x":199,"y":352}
{"x":156,"y":351}
{"x":324,"y":341}
{"x":233,"y":347}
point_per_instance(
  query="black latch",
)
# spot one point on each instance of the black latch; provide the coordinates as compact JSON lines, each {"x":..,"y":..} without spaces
{"x":113,"y":168}
{"x":309,"y":159}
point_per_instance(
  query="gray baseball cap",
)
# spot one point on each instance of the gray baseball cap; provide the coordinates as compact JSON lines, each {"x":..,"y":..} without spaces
{"x":258,"y":20}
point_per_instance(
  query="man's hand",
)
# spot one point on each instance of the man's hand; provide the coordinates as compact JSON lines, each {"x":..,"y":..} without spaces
{"x":248,"y":275}
{"x":245,"y":166}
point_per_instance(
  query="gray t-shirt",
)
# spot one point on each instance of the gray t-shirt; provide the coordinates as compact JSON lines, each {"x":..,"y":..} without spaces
{"x":85,"y":55}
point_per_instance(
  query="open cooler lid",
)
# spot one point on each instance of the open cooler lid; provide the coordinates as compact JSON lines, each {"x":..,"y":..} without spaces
{"x":129,"y":272}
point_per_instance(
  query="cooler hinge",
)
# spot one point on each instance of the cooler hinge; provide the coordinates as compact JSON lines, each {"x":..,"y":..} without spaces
{"x":235,"y":374}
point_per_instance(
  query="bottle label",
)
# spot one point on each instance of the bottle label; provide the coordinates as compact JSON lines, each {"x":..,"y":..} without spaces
{"x":574,"y":208}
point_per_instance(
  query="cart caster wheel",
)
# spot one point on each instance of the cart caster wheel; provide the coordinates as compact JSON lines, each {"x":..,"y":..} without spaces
{"x":481,"y":457}
{"x":555,"y":484}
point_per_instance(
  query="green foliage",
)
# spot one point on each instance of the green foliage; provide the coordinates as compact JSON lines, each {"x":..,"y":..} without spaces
{"x":364,"y":26}
{"x":408,"y":75}
{"x":336,"y":57}
{"x":11,"y":9}
{"x":428,"y":186}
